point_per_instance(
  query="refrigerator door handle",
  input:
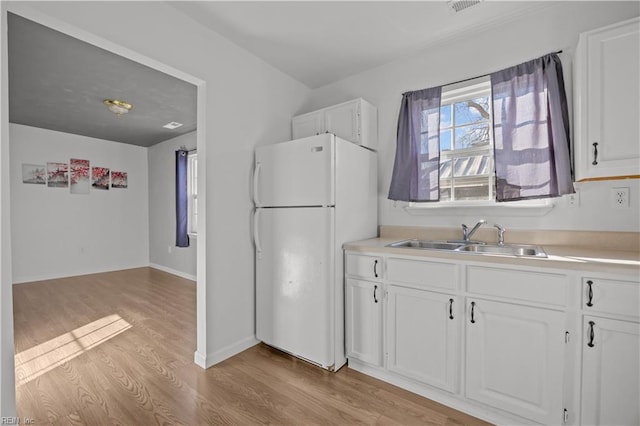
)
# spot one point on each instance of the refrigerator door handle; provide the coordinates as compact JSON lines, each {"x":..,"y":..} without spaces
{"x":256,"y":234}
{"x":256,"y":172}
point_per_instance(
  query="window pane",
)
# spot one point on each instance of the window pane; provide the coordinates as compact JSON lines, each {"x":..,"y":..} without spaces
{"x":445,"y":116}
{"x":472,"y":111}
{"x":472,"y":188}
{"x":472,"y":165}
{"x":472,"y":136}
{"x":445,"y":169}
{"x":445,"y":189}
{"x":445,"y":140}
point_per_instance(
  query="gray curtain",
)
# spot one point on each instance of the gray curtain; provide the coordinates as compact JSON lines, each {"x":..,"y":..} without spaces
{"x":531,"y":131}
{"x":182,"y":164}
{"x":416,"y":168}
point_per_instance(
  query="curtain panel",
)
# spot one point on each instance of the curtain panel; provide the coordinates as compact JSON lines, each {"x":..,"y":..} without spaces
{"x":182,"y":237}
{"x":417,"y":163}
{"x":531,"y":131}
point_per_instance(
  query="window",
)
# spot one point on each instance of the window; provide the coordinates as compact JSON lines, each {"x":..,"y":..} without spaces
{"x":466,"y":142}
{"x":192,"y":193}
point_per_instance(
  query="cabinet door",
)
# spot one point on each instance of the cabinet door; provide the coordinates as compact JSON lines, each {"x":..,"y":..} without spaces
{"x":364,"y":321}
{"x":422,"y":336}
{"x":610,"y":372}
{"x":344,"y":121}
{"x":308,"y":125}
{"x":609,"y":102}
{"x":514,"y":359}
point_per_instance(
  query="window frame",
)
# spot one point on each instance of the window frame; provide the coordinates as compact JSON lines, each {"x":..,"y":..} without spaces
{"x":192,"y":193}
{"x":463,"y":91}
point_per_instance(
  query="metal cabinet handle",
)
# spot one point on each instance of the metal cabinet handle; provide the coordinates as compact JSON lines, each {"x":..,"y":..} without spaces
{"x":375,"y":289}
{"x":590,"y":293}
{"x":591,"y":334}
{"x":595,"y":154}
{"x":473,"y":308}
{"x":450,"y":308}
{"x":375,"y":268}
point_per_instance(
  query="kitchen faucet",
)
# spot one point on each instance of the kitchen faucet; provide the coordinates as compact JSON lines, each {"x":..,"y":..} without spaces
{"x":501,"y":231}
{"x":466,"y":233}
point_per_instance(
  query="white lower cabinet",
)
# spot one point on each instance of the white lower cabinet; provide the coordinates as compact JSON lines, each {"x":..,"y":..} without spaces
{"x":514,"y":359}
{"x":422,"y":336}
{"x":364,"y":321}
{"x":610,"y":372}
{"x":498,"y":341}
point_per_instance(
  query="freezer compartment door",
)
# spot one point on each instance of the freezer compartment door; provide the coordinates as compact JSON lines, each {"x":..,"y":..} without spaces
{"x":294,"y":281}
{"x":295,"y":173}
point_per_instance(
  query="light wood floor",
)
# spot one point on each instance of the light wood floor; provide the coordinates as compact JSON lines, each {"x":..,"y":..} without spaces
{"x":117,"y":348}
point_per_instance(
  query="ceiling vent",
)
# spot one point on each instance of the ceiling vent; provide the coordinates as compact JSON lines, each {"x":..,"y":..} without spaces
{"x":460,"y":5}
{"x":173,"y":125}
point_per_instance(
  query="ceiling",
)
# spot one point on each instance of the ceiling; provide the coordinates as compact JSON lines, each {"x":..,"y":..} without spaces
{"x":320,"y":42}
{"x":58,"y":82}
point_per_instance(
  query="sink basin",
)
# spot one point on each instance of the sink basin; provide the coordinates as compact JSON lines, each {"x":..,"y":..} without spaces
{"x":430,"y":245}
{"x":477,"y":248}
{"x":507,"y":249}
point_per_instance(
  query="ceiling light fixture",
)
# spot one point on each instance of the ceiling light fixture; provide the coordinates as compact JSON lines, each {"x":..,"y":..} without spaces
{"x":117,"y":107}
{"x":172,"y":125}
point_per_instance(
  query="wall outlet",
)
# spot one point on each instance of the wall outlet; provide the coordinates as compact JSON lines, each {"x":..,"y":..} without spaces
{"x":620,"y":198}
{"x":573,"y":200}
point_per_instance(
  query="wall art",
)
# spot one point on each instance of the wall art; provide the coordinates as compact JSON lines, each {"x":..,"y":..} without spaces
{"x":100,"y":177}
{"x":57,"y":175}
{"x":79,"y":176}
{"x":119,"y":179}
{"x":34,"y":173}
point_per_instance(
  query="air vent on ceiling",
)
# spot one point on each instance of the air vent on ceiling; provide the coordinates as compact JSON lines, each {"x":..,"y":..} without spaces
{"x":460,"y":5}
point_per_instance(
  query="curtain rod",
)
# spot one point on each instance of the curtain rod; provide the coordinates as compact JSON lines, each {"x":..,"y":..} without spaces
{"x":484,"y":75}
{"x":184,"y":148}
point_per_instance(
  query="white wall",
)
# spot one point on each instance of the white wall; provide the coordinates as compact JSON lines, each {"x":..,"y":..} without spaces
{"x":162,"y":209}
{"x":550,"y":29}
{"x":7,"y":372}
{"x":247,"y":103}
{"x":59,"y":234}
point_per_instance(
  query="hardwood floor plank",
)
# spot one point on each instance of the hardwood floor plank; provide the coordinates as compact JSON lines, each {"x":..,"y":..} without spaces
{"x":117,"y":349}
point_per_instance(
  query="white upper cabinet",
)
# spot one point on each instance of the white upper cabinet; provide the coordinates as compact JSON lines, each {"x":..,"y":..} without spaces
{"x":355,"y":121}
{"x":607,"y":105}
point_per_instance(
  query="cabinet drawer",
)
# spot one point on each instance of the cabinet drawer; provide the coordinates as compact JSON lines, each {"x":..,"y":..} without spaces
{"x":364,"y":266}
{"x":611,"y":296}
{"x":531,"y":286}
{"x":422,"y":273}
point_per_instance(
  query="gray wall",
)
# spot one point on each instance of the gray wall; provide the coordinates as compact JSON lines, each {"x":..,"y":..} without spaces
{"x":163,"y":253}
{"x":555,"y":27}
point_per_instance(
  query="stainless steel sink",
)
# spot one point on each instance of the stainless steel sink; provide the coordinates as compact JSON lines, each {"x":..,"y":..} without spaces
{"x":507,"y":249}
{"x":429,"y":245}
{"x":476,"y":248}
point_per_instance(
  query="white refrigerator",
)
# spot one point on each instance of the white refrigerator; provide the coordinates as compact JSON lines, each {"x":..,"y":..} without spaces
{"x":311,"y":196}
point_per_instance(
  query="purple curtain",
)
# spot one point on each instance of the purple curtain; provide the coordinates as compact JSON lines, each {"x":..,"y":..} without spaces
{"x":531,"y":131}
{"x":416,"y":170}
{"x":182,"y":238}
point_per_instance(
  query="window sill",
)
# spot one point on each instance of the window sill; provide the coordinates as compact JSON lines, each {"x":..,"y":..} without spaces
{"x":531,"y":208}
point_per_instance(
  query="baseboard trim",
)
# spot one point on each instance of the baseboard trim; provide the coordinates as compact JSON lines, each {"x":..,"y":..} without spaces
{"x":227,"y":352}
{"x":172,"y":271}
{"x":24,"y":280}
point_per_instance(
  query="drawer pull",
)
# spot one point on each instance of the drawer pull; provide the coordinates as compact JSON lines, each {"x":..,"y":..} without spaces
{"x":375,"y":268}
{"x":375,"y":290}
{"x":450,"y":308}
{"x":591,"y":334}
{"x":473,"y":308}
{"x":595,"y":154}
{"x":590,"y":293}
